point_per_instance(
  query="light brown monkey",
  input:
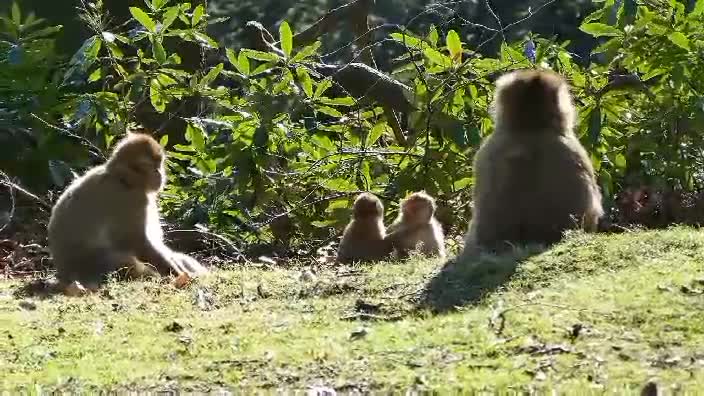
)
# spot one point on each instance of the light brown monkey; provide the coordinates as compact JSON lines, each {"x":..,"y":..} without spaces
{"x":533,"y":179}
{"x":363,"y":238}
{"x":416,"y":227}
{"x":107,"y":220}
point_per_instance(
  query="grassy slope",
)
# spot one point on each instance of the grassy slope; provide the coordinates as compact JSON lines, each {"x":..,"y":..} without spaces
{"x":594,"y":313}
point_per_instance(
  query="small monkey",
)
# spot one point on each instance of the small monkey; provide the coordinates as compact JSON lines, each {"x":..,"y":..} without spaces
{"x":108,"y":220}
{"x":363,"y":238}
{"x":416,"y":227}
{"x":533,"y":178}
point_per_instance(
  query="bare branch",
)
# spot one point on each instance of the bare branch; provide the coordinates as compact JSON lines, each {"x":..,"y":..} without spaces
{"x":16,"y":187}
{"x":362,"y":81}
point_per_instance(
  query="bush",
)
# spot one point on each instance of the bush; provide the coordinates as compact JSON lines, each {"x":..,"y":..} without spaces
{"x":270,"y":146}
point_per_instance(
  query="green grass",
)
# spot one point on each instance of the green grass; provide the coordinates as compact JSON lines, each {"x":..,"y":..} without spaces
{"x":595,"y":313}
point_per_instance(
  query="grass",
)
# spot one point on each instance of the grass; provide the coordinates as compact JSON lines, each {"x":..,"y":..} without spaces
{"x":593,"y":314}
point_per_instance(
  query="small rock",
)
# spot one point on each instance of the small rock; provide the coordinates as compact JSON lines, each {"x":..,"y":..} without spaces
{"x":307,"y":275}
{"x":174,"y":327}
{"x":540,"y":375}
{"x":263,"y":293}
{"x":359,"y":333}
{"x":650,"y":389}
{"x":28,"y":305}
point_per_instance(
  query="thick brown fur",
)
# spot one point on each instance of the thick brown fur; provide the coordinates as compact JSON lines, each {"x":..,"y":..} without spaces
{"x":533,"y":178}
{"x":416,"y":227}
{"x":108,"y":221}
{"x":363,"y":238}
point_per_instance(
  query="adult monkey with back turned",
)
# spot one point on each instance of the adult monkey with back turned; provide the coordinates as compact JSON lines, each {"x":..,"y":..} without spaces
{"x":108,"y":220}
{"x":533,"y":178}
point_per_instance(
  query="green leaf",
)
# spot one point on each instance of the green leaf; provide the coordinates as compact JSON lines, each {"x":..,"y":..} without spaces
{"x":306,"y":52}
{"x":462,"y":183}
{"x":165,"y":80}
{"x":196,"y":136}
{"x":679,"y":39}
{"x":376,"y":132}
{"x":115,"y":51}
{"x":344,"y":101}
{"x":305,"y":80}
{"x":48,"y":31}
{"x":169,"y":17}
{"x":339,"y":184}
{"x":241,"y":63}
{"x":212,"y":75}
{"x":197,"y":15}
{"x":16,"y":14}
{"x":260,"y":55}
{"x":143,"y":18}
{"x":436,"y":57}
{"x":599,"y":29}
{"x":90,"y":49}
{"x":595,"y":125}
{"x":158,"y":50}
{"x":205,"y":40}
{"x":232,"y":57}
{"x":156,"y":96}
{"x":157,"y":4}
{"x":698,"y":8}
{"x":329,"y":111}
{"x":454,"y":45}
{"x":620,"y":161}
{"x":433,"y":36}
{"x":96,"y":75}
{"x":407,"y":39}
{"x":322,"y":87}
{"x":654,"y":73}
{"x":286,"y":38}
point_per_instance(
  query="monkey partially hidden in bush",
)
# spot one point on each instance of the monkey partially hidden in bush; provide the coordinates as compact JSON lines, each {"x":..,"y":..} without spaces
{"x":533,"y":178}
{"x":107,"y":220}
{"x":363,"y":238}
{"x":416,"y":227}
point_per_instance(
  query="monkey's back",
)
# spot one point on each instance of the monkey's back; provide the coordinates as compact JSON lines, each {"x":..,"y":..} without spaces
{"x":363,"y":240}
{"x":79,"y":234}
{"x":532,"y":187}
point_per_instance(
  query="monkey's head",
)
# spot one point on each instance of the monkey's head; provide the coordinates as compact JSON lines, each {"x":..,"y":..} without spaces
{"x":138,"y":160}
{"x":533,"y":100}
{"x":418,"y":207}
{"x":367,"y":206}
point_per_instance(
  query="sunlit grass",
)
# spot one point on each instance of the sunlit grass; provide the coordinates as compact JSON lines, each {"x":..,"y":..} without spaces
{"x":593,"y":313}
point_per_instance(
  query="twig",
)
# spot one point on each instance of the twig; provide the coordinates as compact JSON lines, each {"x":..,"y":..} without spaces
{"x":14,"y":186}
{"x":12,"y":203}
{"x":497,"y":321}
{"x":66,"y":132}
{"x":222,"y":238}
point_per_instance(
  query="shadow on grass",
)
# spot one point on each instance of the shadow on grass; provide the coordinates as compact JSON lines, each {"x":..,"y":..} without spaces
{"x":40,"y":288}
{"x":466,"y":282}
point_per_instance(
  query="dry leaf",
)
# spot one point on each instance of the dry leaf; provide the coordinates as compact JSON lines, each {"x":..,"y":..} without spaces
{"x":182,"y":281}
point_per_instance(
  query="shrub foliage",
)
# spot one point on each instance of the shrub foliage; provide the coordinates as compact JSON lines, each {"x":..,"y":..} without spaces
{"x":269,"y":144}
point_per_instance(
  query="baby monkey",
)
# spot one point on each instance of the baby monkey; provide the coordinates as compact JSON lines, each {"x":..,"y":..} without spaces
{"x":363,"y":238}
{"x":416,"y":227}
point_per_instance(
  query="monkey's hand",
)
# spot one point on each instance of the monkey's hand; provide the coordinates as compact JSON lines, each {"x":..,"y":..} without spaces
{"x":188,"y":264}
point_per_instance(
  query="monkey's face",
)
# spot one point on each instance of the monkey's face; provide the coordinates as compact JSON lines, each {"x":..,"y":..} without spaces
{"x":151,"y":170}
{"x":140,"y":164}
{"x":418,"y":209}
{"x":367,"y":206}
